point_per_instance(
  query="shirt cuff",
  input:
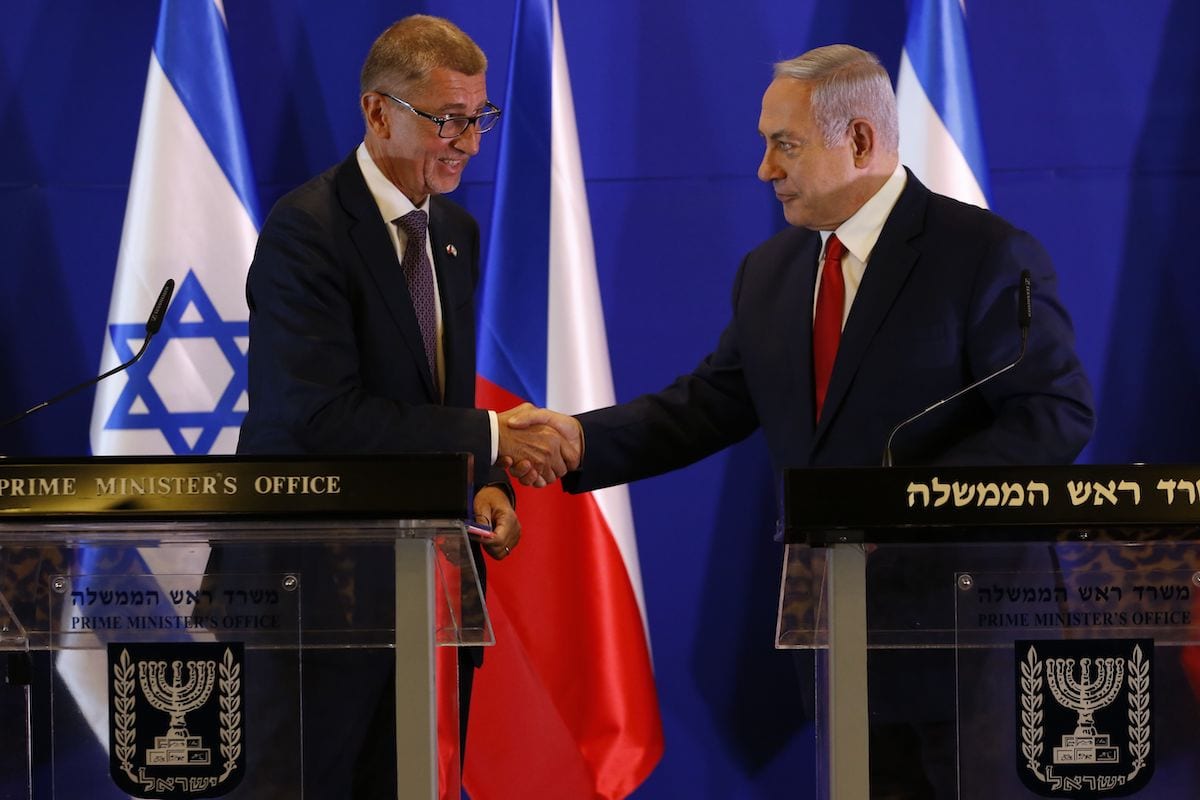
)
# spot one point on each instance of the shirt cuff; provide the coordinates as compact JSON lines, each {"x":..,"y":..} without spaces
{"x":495,"y":420}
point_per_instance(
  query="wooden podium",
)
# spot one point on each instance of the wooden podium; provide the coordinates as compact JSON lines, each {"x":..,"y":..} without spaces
{"x":1043,"y":618}
{"x":156,"y":615}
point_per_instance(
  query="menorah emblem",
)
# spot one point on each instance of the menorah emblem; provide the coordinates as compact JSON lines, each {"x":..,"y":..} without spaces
{"x":199,"y":686}
{"x":1105,"y":681}
{"x":176,"y":698}
{"x":1098,"y":683}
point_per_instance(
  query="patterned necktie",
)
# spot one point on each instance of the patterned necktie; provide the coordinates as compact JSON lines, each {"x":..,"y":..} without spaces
{"x":827,"y":320}
{"x":418,"y":273}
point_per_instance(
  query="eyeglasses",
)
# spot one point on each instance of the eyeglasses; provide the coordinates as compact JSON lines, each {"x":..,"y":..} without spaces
{"x":453,"y":127}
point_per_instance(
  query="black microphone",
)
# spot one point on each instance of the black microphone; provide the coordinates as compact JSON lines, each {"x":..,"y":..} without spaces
{"x":1024,"y":317}
{"x":160,"y":310}
{"x":152,"y":325}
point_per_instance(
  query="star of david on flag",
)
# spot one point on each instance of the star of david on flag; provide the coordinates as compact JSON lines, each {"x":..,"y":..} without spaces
{"x":193,"y":337}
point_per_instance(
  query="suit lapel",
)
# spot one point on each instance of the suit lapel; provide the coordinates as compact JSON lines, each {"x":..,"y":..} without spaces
{"x":369,"y":233}
{"x":799,"y":284}
{"x":887,"y":271}
{"x":454,"y":287}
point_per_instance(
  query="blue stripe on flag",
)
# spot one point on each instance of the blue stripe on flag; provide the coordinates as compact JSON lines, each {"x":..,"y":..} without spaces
{"x":512,"y":347}
{"x":194,"y":54}
{"x":936,"y":42}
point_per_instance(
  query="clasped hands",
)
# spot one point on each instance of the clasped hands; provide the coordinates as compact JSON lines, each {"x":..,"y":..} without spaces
{"x":538,"y":446}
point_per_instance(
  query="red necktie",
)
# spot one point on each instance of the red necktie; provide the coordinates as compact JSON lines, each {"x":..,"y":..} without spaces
{"x":827,"y":320}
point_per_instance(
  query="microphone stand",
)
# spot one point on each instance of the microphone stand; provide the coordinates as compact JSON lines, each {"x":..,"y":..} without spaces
{"x":1025,"y":316}
{"x":152,"y":326}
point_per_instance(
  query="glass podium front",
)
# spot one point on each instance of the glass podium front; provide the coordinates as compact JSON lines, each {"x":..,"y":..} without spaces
{"x":978,"y":650}
{"x":203,"y":652}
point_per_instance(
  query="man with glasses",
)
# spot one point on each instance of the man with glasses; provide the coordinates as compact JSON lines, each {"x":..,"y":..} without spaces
{"x":362,"y":340}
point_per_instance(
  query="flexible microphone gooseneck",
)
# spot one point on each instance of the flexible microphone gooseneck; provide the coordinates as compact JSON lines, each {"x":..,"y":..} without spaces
{"x":1024,"y":318}
{"x":152,"y":325}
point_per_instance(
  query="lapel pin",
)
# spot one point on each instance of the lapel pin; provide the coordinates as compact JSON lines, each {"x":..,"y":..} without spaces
{"x":452,"y":250}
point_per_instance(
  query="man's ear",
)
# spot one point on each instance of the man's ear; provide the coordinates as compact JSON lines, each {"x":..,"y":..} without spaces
{"x":373,"y":112}
{"x":862,"y":141}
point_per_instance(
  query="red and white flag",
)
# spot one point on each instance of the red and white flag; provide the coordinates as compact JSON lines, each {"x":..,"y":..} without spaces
{"x":570,"y":678}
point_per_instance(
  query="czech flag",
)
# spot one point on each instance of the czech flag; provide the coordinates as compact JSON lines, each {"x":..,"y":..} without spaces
{"x":570,"y":677}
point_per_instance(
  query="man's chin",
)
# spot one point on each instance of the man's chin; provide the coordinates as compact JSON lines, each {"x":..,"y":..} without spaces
{"x":446,"y":185}
{"x":795,"y":218}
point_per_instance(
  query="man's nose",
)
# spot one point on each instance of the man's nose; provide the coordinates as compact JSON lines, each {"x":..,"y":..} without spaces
{"x":767,"y":169}
{"x":468,"y":140}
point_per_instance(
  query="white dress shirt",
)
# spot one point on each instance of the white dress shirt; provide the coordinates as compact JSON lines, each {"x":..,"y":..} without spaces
{"x":859,"y":235}
{"x":394,"y":204}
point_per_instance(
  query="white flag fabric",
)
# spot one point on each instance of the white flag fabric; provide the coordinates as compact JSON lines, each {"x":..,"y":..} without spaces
{"x":939,"y":126}
{"x":191,"y":217}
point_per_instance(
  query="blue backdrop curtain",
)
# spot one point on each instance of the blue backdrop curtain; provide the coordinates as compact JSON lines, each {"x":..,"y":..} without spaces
{"x":1088,"y":111}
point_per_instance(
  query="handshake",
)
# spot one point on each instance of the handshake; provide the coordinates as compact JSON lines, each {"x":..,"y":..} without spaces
{"x":538,"y":446}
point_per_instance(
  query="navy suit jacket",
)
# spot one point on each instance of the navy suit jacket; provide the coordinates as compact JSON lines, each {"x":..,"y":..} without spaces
{"x":936,"y":310}
{"x":337,"y":364}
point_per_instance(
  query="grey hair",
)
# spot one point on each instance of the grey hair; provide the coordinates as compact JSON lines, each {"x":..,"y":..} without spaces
{"x":849,"y":83}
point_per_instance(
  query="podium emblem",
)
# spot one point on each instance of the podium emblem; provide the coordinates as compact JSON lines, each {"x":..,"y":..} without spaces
{"x":1084,"y":716}
{"x":175,"y":718}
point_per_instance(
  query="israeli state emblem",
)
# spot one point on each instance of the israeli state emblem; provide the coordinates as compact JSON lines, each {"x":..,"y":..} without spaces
{"x":175,"y":718}
{"x":1085,"y":716}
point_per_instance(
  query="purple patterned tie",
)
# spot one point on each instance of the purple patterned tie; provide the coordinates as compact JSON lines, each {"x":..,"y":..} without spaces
{"x":418,"y":273}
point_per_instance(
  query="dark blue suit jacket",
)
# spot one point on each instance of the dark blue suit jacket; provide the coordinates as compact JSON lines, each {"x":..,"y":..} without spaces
{"x":336,"y":360}
{"x":337,"y":366}
{"x":936,"y":310}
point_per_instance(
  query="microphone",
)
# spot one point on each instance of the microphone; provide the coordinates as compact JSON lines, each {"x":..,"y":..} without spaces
{"x":160,"y":310}
{"x":1024,"y":318}
{"x":152,"y":325}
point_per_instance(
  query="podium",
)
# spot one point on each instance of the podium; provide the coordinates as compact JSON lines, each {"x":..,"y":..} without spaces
{"x":185,"y":627}
{"x":998,"y":632}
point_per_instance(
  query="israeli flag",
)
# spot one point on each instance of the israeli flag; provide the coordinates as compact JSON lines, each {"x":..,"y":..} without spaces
{"x":192,"y":217}
{"x":939,"y":128}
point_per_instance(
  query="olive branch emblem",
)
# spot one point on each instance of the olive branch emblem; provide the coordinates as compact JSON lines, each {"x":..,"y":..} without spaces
{"x":124,"y":716}
{"x":1139,"y":710}
{"x":230,"y":686}
{"x":1031,"y":712}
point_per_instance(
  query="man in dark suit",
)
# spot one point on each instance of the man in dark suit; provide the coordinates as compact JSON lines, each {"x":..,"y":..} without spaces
{"x":881,"y":299}
{"x":930,"y":304}
{"x":362,"y":340}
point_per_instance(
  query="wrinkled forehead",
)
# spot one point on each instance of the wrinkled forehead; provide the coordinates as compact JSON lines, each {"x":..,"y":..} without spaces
{"x":786,"y":108}
{"x":447,"y":90}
